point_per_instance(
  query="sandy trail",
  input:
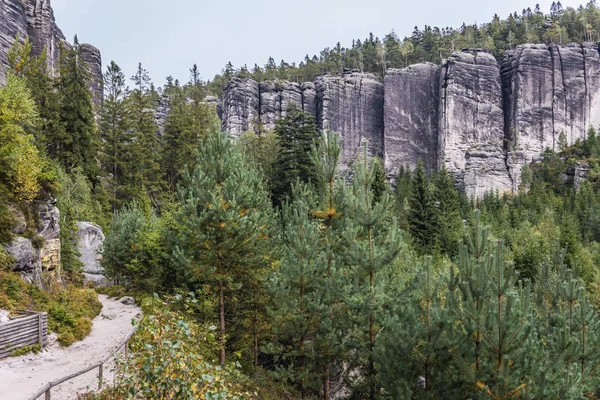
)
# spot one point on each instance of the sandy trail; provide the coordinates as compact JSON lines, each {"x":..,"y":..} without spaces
{"x":21,"y":377}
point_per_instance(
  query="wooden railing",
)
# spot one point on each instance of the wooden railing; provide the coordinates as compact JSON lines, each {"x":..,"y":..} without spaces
{"x":46,"y":390}
{"x":28,"y":329}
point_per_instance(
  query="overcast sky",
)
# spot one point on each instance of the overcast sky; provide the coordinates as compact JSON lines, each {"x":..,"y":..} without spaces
{"x":169,"y":36}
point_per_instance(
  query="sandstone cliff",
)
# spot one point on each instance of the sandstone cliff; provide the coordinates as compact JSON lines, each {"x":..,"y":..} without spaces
{"x":34,"y":19}
{"x":479,"y":118}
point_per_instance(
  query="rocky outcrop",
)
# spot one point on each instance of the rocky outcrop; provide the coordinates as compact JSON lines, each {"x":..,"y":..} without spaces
{"x":13,"y":23}
{"x":411,"y":117}
{"x":34,"y":19}
{"x":275,"y":98}
{"x":471,"y":125}
{"x":90,"y":240}
{"x":351,"y":104}
{"x":241,"y":105}
{"x":43,"y":32}
{"x":549,"y":91}
{"x":38,"y":260}
{"x":161,"y":114}
{"x":93,"y":58}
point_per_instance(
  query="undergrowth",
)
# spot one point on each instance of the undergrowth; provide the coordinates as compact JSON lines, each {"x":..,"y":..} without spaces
{"x":70,"y":310}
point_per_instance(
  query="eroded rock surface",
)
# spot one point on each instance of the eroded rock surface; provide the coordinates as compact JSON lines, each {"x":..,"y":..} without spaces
{"x":93,"y":58}
{"x":411,"y":117}
{"x":13,"y":23}
{"x":241,"y":102}
{"x":90,"y":240}
{"x":351,"y":104}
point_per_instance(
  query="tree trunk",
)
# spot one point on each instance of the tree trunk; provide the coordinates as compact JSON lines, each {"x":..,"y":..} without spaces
{"x":222,"y":321}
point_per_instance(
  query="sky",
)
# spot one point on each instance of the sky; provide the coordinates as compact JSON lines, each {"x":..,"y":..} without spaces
{"x":169,"y":36}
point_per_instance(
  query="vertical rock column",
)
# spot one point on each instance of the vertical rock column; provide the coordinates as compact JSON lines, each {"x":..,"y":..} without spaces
{"x":471,"y":130}
{"x":93,"y":58}
{"x":411,"y":117}
{"x":241,"y":106}
{"x":13,"y":23}
{"x":43,"y":31}
{"x":352,"y":105}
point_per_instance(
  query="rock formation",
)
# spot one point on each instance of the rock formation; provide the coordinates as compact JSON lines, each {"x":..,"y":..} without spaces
{"x":93,"y":58}
{"x":549,"y":90}
{"x":241,"y":106}
{"x":34,"y":19}
{"x":411,"y":116}
{"x":38,"y":260}
{"x":13,"y":23}
{"x":90,"y":240}
{"x":351,"y":104}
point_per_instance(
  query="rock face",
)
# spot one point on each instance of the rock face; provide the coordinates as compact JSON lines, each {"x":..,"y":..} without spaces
{"x":471,"y":125}
{"x":43,"y":31}
{"x":13,"y":23}
{"x":480,"y":119}
{"x":351,"y":104}
{"x":93,"y":58}
{"x":549,"y":91}
{"x":38,"y":261}
{"x":34,"y":19}
{"x":241,"y":105}
{"x":411,"y":117}
{"x":90,"y":239}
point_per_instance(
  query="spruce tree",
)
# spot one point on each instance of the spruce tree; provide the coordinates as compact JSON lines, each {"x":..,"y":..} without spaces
{"x":296,"y":134}
{"x":114,"y":127}
{"x":224,"y":220}
{"x":76,"y":143}
{"x":448,"y":218}
{"x":145,"y":148}
{"x":422,"y":215}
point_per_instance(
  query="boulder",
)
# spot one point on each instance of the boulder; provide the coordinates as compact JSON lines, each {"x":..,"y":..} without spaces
{"x":90,"y":239}
{"x":27,"y":259}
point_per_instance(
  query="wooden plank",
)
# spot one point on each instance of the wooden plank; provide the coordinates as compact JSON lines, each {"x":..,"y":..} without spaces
{"x":17,"y":327}
{"x":7,"y":352}
{"x":11,"y":325}
{"x":15,"y":339}
{"x":8,"y":336}
{"x":16,"y":321}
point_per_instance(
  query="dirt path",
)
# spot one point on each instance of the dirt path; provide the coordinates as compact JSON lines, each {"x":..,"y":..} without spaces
{"x":21,"y":377}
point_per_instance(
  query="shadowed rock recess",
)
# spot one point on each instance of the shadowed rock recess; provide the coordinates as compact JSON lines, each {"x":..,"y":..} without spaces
{"x":480,"y":118}
{"x":34,"y":19}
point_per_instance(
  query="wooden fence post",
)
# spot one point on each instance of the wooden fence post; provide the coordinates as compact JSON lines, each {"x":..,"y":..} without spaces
{"x":126,"y":348}
{"x":48,"y":394}
{"x":100,"y":376}
{"x":40,"y":332}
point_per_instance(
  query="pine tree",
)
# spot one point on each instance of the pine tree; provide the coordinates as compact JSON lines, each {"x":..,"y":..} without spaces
{"x":296,"y":134}
{"x":373,"y":245}
{"x":76,"y":143}
{"x":224,"y":220}
{"x":422,"y":218}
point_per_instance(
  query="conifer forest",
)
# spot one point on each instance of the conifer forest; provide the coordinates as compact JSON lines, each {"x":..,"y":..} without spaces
{"x":268,"y":266}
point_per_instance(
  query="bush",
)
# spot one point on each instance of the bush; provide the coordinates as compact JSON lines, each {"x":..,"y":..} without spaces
{"x":70,"y":310}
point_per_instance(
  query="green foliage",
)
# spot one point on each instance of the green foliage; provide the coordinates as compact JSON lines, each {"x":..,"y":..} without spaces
{"x":75,"y":143}
{"x":136,"y":248}
{"x":296,"y":134}
{"x":173,"y":358}
{"x":70,"y":309}
{"x":224,"y":231}
{"x":422,"y":216}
